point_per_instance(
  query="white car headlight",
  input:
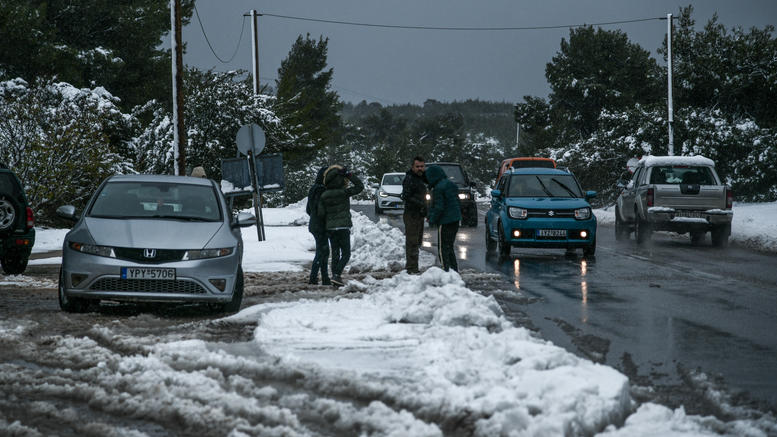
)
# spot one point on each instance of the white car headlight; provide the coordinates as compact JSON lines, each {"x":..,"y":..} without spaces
{"x":583,"y":213}
{"x":518,"y":213}
{"x":207,"y":253}
{"x":92,"y":249}
{"x":428,"y":196}
{"x":463,"y":196}
{"x":382,"y":193}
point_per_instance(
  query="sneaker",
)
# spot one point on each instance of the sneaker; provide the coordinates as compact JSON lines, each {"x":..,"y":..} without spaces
{"x":337,"y":281}
{"x":312,"y":282}
{"x":326,"y":281}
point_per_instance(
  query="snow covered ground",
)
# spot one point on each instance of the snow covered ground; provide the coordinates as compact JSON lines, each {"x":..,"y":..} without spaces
{"x":418,"y":351}
{"x":754,"y":224}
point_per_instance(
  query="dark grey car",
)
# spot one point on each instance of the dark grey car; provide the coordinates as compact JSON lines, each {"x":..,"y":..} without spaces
{"x":153,"y":238}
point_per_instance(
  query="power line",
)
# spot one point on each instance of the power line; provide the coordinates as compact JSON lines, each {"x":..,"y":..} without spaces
{"x":242,"y":28}
{"x":399,"y":26}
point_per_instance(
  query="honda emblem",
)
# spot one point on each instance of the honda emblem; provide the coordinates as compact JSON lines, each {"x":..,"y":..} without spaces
{"x":149,"y":253}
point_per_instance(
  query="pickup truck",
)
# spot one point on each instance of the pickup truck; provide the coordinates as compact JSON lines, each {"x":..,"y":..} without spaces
{"x":682,"y":194}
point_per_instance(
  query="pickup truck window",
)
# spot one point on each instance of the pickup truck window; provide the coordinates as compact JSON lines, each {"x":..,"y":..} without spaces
{"x":675,"y":175}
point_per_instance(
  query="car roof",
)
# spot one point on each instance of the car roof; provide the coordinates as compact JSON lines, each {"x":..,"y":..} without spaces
{"x":388,"y":174}
{"x":443,"y":163}
{"x":537,"y":170}
{"x":650,"y":160}
{"x":160,"y":178}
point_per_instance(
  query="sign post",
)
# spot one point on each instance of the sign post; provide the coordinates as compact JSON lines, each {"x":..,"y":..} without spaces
{"x":250,"y":141}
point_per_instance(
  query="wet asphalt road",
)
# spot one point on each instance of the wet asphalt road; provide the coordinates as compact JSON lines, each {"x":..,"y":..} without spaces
{"x":687,"y":320}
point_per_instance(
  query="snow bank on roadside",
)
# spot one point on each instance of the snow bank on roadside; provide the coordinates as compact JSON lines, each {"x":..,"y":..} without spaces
{"x":754,"y":224}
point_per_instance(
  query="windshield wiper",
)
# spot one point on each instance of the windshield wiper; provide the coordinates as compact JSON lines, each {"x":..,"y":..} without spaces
{"x":544,"y":188}
{"x":572,"y":193}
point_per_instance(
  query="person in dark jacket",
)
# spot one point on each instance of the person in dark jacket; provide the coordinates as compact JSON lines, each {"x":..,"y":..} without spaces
{"x":445,"y":213}
{"x":414,"y":196}
{"x":317,"y":227}
{"x":334,"y":208}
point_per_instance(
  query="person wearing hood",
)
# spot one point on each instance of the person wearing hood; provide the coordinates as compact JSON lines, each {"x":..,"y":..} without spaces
{"x":445,"y":214}
{"x":414,"y":195}
{"x":317,"y":227}
{"x":334,"y":208}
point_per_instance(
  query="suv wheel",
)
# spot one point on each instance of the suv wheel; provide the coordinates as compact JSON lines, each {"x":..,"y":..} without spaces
{"x":378,"y":211}
{"x":621,"y":230}
{"x":490,"y":243}
{"x":590,"y":250}
{"x":14,"y":264}
{"x":233,"y":305}
{"x":8,"y":212}
{"x":720,"y":235}
{"x":643,"y":231}
{"x":502,"y":247}
{"x":69,"y":304}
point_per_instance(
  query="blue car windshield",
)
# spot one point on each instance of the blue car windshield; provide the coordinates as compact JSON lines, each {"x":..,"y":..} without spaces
{"x":545,"y":185}
{"x":156,"y":200}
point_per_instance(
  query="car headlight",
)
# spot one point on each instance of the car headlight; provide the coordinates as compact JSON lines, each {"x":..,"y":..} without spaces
{"x":583,"y":213}
{"x":206,"y":253}
{"x":92,"y":249}
{"x":463,"y":196}
{"x":517,"y":213}
{"x":428,"y":196}
{"x":382,"y":193}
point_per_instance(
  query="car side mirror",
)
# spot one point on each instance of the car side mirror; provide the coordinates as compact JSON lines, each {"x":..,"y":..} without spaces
{"x":244,"y":220}
{"x":67,"y":212}
{"x":496,"y":193}
{"x":590,"y":195}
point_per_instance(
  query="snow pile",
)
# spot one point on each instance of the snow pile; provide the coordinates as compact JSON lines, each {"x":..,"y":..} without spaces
{"x":27,"y":281}
{"x":430,"y":344}
{"x":48,"y":239}
{"x":379,"y":246}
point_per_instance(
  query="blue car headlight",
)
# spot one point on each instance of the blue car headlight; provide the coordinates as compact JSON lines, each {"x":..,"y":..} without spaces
{"x":518,"y":213}
{"x":92,"y":249}
{"x":206,"y":253}
{"x":583,"y":213}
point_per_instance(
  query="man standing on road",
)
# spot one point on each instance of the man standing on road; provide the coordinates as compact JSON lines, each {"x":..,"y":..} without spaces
{"x":445,"y":213}
{"x":317,"y":227}
{"x":414,"y":196}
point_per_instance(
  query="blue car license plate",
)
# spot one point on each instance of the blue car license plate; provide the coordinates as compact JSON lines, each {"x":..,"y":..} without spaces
{"x":551,"y":233}
{"x":147,"y":273}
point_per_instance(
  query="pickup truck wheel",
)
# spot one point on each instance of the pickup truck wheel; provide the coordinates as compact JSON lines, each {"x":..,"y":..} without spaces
{"x":697,"y":238}
{"x":14,"y":264}
{"x":720,"y":235}
{"x":643,"y":231}
{"x":502,"y":247}
{"x":621,"y":230}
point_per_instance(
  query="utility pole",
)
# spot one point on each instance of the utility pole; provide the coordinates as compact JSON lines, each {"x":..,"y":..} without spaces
{"x":257,"y":194}
{"x":669,"y":81}
{"x":179,"y":133}
{"x":255,"y":49}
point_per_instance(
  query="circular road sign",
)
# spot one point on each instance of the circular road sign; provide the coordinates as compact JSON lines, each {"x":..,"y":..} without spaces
{"x":250,"y":138}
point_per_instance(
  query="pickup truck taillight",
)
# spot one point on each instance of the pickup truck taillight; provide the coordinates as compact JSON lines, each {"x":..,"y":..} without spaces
{"x":729,"y":198}
{"x":30,"y":218}
{"x":649,"y":197}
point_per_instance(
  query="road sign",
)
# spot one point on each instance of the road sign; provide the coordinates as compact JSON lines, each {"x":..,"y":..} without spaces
{"x":269,"y":172}
{"x":250,"y":138}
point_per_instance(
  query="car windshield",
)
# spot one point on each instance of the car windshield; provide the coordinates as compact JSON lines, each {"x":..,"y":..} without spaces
{"x":545,"y":185}
{"x":454,"y":173}
{"x":681,"y":174}
{"x":393,"y":179}
{"x":166,"y":200}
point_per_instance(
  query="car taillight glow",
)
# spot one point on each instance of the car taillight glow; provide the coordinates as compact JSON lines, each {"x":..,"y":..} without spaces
{"x":729,"y":198}
{"x":30,"y":218}
{"x":649,"y":197}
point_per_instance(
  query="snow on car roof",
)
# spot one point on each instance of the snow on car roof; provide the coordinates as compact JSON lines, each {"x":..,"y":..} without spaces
{"x":651,"y":160}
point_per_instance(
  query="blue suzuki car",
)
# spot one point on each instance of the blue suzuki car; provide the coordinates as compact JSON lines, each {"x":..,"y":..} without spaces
{"x":542,"y":208}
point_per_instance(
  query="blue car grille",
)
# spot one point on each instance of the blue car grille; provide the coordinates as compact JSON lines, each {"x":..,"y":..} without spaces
{"x":160,"y":255}
{"x":551,"y":213}
{"x":147,"y":286}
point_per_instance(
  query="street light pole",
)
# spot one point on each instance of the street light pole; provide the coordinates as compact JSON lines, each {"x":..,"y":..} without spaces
{"x":179,"y":133}
{"x":669,"y":81}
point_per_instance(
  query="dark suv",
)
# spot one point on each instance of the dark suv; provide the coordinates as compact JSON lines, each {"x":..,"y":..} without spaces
{"x":457,"y":175}
{"x":17,"y":234}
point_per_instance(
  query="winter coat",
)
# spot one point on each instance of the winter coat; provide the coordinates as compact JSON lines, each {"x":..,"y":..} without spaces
{"x":445,"y":206}
{"x":414,"y":194}
{"x":334,"y":207}
{"x":316,"y":225}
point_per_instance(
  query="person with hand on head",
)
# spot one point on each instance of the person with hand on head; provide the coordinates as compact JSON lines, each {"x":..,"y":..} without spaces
{"x":445,"y":214}
{"x":317,"y":227}
{"x":414,"y":196}
{"x":334,"y":208}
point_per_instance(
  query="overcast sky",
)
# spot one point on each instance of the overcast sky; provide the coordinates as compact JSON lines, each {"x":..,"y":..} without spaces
{"x":399,"y":65}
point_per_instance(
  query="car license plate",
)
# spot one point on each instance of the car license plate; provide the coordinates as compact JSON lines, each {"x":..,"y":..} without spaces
{"x":694,"y":214}
{"x":146,"y":273}
{"x":552,"y":233}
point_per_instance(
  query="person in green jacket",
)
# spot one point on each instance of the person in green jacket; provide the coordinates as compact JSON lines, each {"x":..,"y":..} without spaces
{"x":334,"y":207}
{"x":445,"y":214}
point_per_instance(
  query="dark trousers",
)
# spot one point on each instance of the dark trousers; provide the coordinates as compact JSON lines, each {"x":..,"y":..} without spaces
{"x":414,"y":234}
{"x":446,"y":236}
{"x":321,"y":260}
{"x":340,"y":241}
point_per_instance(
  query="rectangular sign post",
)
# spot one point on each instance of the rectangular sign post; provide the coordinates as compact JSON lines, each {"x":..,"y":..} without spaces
{"x":257,"y":198}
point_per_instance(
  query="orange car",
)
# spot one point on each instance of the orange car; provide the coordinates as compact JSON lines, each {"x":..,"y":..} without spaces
{"x":525,"y":162}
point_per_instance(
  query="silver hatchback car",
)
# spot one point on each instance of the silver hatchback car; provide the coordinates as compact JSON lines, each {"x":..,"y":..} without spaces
{"x":153,"y":238}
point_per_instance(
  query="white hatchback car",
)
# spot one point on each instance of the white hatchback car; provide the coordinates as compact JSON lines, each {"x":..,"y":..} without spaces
{"x":388,"y":192}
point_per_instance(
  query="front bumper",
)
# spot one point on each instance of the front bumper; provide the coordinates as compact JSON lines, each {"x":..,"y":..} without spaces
{"x":670,"y":219}
{"x":529,"y":228}
{"x":100,"y":278}
{"x":390,"y":202}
